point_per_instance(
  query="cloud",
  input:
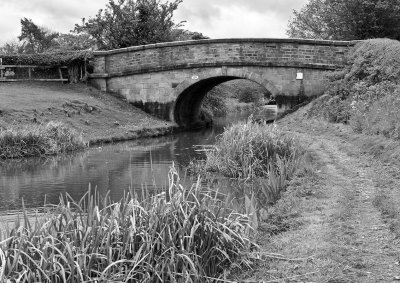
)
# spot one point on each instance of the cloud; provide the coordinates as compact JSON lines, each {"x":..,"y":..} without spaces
{"x":60,"y":16}
{"x":214,"y":18}
{"x":238,"y":18}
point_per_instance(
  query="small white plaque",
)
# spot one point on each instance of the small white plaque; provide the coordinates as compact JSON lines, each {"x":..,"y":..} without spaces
{"x":195,"y":77}
{"x":299,"y":76}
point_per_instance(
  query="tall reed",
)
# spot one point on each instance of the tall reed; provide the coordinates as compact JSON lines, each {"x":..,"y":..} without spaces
{"x":259,"y":155}
{"x":249,"y":149}
{"x":39,"y":140}
{"x":180,"y":235}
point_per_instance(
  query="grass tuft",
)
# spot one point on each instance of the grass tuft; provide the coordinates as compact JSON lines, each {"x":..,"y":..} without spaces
{"x":249,"y":149}
{"x":39,"y":140}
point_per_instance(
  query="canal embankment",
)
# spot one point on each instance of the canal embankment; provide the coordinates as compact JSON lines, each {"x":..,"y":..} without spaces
{"x":97,"y":116}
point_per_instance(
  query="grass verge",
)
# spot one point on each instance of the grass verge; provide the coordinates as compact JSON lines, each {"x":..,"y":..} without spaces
{"x":50,"y":139}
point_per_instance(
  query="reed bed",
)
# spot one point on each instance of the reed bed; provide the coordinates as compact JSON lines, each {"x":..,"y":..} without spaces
{"x":39,"y":140}
{"x":250,"y":149}
{"x":260,"y":156}
{"x":181,"y":235}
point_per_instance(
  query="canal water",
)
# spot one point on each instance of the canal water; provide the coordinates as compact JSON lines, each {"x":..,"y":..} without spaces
{"x":138,"y":164}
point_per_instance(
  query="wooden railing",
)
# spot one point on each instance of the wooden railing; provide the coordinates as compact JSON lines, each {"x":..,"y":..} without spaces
{"x":12,"y":73}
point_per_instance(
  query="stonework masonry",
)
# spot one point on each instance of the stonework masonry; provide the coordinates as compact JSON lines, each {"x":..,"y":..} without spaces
{"x":156,"y":77}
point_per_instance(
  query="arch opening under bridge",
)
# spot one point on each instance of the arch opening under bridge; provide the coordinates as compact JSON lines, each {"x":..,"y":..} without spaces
{"x":186,"y":111}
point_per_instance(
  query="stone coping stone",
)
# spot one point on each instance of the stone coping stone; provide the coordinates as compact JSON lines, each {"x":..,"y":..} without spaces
{"x":227,"y":40}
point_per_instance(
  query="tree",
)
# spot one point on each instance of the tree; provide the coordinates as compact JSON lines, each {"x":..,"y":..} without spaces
{"x":346,"y":20}
{"x":36,"y":39}
{"x":183,"y":34}
{"x":71,"y":41}
{"x":11,"y":48}
{"x":131,"y":22}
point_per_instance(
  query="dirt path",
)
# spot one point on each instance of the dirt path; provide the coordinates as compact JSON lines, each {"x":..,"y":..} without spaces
{"x":346,"y":234}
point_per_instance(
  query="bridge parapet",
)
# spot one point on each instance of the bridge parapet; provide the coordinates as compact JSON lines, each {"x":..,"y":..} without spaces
{"x":300,"y":53}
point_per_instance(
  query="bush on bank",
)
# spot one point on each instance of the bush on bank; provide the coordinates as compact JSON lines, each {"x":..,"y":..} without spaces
{"x":50,"y":139}
{"x":181,"y":235}
{"x":366,"y":92}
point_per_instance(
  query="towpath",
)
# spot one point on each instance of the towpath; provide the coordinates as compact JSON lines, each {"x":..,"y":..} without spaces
{"x":350,"y":218}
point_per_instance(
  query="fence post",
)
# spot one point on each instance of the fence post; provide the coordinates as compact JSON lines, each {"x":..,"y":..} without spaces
{"x":1,"y":68}
{"x":30,"y":73}
{"x":60,"y":73}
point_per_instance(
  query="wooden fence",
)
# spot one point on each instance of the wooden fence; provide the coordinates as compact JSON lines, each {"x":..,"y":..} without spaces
{"x":15,"y":73}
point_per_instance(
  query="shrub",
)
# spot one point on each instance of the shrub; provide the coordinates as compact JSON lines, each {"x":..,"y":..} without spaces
{"x":40,"y":140}
{"x":250,"y":96}
{"x":61,"y":58}
{"x":181,"y":235}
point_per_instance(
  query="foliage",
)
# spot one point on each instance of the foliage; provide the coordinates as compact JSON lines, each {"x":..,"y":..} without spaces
{"x":261,"y":160}
{"x":214,"y":105}
{"x":36,"y":39}
{"x":50,"y":139}
{"x":249,"y":96}
{"x":346,"y":20}
{"x":224,"y":97}
{"x":61,"y":58}
{"x":181,"y":235}
{"x":126,"y":23}
{"x":366,"y":92}
{"x":182,"y":35}
{"x":10,"y":48}
{"x":71,"y":41}
{"x":248,"y":150}
{"x":379,"y":117}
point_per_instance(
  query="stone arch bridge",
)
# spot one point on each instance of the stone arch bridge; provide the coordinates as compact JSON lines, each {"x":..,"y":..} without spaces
{"x":169,"y":80}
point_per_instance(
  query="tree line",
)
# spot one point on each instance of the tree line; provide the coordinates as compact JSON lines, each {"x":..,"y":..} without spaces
{"x":346,"y":20}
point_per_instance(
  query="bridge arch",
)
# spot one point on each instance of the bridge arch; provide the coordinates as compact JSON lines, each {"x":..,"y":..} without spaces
{"x":189,"y":94}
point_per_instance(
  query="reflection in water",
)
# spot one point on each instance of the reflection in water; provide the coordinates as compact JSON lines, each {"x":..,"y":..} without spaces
{"x":113,"y":168}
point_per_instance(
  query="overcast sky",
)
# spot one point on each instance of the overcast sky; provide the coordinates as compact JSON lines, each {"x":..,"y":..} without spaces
{"x":213,"y":18}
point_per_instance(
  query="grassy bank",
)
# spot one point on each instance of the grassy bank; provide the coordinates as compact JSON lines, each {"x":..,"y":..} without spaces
{"x":39,"y":140}
{"x":366,"y":93}
{"x":99,"y":116}
{"x":180,"y":235}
